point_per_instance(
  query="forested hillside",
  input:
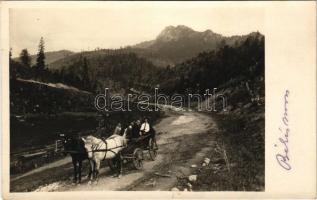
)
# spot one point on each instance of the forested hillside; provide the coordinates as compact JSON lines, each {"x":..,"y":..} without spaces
{"x":212,"y":69}
{"x":237,"y":58}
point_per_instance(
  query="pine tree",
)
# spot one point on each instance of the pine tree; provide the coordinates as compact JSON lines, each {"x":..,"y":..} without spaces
{"x":25,"y":58}
{"x":40,"y":61}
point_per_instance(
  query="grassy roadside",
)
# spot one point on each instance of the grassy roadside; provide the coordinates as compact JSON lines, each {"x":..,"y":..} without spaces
{"x":237,"y":163}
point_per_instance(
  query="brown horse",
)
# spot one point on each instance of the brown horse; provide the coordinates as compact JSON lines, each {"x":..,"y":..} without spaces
{"x":75,"y":146}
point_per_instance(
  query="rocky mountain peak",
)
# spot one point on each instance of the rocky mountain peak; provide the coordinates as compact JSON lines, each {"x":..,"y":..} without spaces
{"x":171,"y":33}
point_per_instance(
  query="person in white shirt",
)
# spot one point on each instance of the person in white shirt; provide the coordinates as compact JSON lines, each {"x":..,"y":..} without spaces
{"x":145,"y":127}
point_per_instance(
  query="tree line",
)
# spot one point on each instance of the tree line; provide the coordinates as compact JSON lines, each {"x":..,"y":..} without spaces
{"x":22,"y":68}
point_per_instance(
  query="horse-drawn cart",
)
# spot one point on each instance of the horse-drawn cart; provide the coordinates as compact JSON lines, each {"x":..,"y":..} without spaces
{"x":134,"y":152}
{"x":116,"y":149}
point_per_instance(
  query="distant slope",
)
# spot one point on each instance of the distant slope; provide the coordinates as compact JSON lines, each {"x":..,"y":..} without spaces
{"x":174,"y":45}
{"x":105,"y":69}
{"x":51,"y":56}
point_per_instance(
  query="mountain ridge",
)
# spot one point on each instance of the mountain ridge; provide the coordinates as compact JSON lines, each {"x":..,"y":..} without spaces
{"x":173,"y":45}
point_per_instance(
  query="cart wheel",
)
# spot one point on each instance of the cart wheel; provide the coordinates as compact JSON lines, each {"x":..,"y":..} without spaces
{"x":138,"y":158}
{"x":113,"y":164}
{"x":153,"y":148}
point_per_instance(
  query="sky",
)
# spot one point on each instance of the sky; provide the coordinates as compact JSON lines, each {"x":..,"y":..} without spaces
{"x":115,"y":25}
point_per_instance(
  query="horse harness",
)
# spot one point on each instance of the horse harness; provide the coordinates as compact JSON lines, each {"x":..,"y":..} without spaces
{"x":95,"y":147}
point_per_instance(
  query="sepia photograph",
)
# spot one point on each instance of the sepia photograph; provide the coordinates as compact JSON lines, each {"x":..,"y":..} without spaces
{"x":118,"y":99}
{"x":178,"y":97}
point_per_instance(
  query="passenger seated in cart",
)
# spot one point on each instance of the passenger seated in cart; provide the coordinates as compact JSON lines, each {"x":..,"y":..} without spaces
{"x":135,"y":132}
{"x":145,"y":127}
{"x":147,"y":130}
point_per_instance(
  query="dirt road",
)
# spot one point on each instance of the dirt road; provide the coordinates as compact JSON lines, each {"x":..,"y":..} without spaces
{"x":184,"y":139}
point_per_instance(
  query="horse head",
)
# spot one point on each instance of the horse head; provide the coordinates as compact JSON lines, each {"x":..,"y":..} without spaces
{"x":67,"y":142}
{"x":89,"y":141}
{"x":73,"y":144}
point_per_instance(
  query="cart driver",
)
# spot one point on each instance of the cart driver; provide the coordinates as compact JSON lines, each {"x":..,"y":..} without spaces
{"x":145,"y":127}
